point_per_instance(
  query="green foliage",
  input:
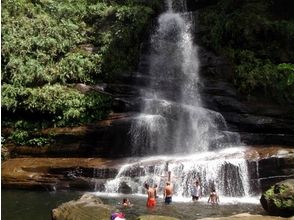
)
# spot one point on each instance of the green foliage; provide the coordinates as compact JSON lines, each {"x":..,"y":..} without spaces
{"x":2,"y":140}
{"x":25,"y":137}
{"x":38,"y":45}
{"x":39,"y":141}
{"x":254,"y":73}
{"x":119,"y":43}
{"x":288,"y":70}
{"x":48,"y":45}
{"x":64,"y":105}
{"x":5,"y":154}
{"x":20,"y":137}
{"x":259,"y":44}
{"x":278,"y":198}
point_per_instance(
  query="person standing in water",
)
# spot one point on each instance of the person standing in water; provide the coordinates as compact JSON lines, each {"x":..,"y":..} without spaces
{"x":196,"y":191}
{"x":168,"y":193}
{"x":155,"y":191}
{"x":151,"y":202}
{"x":213,"y":197}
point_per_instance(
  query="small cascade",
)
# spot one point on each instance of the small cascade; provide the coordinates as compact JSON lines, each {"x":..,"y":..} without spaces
{"x":148,"y":132}
{"x":228,"y":176}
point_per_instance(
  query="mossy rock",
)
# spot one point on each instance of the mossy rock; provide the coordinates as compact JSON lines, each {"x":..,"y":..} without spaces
{"x":279,"y":199}
{"x":88,"y":207}
{"x":156,"y":217}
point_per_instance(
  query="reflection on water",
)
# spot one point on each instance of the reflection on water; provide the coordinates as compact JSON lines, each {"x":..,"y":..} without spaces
{"x":33,"y":205}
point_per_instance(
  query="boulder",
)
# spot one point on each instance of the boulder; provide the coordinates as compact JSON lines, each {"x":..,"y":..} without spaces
{"x":88,"y":207}
{"x":245,"y":216}
{"x":279,"y":199}
{"x":124,"y":188}
{"x":156,"y":217}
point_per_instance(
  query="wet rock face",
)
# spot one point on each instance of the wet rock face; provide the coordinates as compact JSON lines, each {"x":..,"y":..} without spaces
{"x":268,"y":166}
{"x":279,"y":199}
{"x":193,"y":5}
{"x":58,"y":173}
{"x":124,"y":188}
{"x":259,"y":121}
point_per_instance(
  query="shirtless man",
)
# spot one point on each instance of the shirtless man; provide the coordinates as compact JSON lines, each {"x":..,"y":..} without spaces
{"x":151,"y":202}
{"x":168,"y":193}
{"x":213,"y":197}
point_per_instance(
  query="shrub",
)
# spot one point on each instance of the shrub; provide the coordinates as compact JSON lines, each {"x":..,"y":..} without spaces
{"x":43,"y":54}
{"x":258,"y":43}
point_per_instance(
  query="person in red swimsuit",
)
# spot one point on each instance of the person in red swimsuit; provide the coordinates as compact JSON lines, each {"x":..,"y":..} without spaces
{"x":151,"y":201}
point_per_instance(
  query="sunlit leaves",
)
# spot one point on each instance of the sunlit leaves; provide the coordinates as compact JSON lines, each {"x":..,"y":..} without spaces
{"x":43,"y":53}
{"x":61,"y":102}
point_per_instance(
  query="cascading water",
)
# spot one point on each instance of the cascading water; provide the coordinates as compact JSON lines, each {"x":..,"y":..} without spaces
{"x":173,"y":122}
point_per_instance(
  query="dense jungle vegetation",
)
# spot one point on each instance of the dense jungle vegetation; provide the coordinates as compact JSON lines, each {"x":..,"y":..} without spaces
{"x":258,"y":39}
{"x":49,"y":46}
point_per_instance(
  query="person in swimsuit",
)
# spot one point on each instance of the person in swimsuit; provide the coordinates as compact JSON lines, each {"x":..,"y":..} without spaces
{"x":196,"y":191}
{"x":213,"y":197}
{"x":168,"y":193}
{"x":151,"y":202}
{"x":126,"y":203}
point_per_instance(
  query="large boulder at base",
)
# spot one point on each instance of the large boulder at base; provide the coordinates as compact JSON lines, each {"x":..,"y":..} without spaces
{"x":88,"y":207}
{"x":246,"y":216}
{"x":156,"y":217}
{"x":279,"y":199}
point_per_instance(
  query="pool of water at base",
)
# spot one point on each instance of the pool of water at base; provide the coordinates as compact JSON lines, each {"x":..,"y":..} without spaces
{"x":35,"y":205}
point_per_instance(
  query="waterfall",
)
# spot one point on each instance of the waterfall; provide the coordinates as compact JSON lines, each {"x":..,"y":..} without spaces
{"x":177,"y":123}
{"x":174,"y":132}
{"x":213,"y":170}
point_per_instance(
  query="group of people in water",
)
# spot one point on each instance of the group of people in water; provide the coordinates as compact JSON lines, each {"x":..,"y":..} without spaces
{"x":196,"y":193}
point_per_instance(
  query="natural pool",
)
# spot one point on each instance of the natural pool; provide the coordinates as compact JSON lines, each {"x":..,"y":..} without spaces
{"x":35,"y":205}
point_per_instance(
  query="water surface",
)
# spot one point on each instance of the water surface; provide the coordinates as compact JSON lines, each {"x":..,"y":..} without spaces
{"x":35,"y":205}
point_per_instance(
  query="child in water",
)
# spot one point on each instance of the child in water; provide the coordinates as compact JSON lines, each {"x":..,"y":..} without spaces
{"x":126,"y":203}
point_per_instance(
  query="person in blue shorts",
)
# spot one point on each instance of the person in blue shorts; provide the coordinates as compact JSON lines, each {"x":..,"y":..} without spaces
{"x":168,"y":193}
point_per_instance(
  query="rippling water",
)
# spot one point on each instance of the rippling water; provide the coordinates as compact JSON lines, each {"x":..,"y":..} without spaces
{"x":34,"y":205}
